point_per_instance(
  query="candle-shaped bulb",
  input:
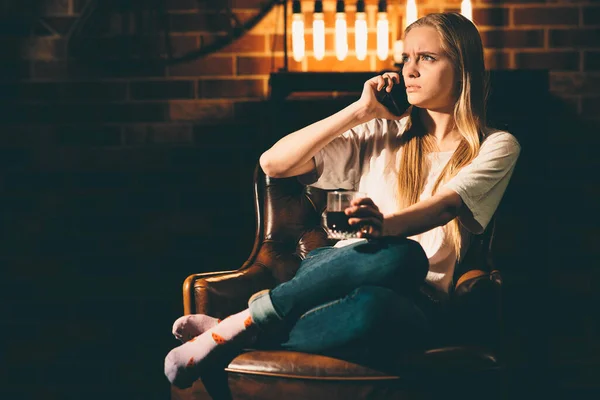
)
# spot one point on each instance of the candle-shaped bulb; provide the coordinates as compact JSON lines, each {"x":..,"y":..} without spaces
{"x":360,"y":31}
{"x":318,"y":31}
{"x":466,"y":9}
{"x":341,"y":32}
{"x":383,"y":32}
{"x":297,"y":32}
{"x":411,"y":12}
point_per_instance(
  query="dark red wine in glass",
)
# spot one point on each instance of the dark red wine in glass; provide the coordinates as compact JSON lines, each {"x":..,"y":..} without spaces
{"x":336,"y":219}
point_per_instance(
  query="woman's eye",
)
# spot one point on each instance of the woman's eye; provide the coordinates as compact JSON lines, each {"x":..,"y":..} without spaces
{"x":423,"y":57}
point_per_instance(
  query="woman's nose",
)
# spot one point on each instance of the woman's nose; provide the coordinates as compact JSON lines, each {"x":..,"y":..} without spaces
{"x":410,"y":70}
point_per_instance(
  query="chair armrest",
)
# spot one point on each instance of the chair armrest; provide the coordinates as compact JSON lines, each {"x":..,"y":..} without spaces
{"x":220,"y":294}
{"x":476,"y":307}
{"x":469,"y":281}
{"x":189,"y":306}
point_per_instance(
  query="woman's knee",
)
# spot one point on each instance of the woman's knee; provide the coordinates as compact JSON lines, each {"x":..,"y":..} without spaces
{"x":411,"y":250}
{"x":401,"y":257}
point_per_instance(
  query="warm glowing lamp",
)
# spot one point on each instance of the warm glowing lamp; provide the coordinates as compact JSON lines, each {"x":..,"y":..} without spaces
{"x":318,"y":31}
{"x":466,"y":9}
{"x":411,"y":12}
{"x":341,"y":31}
{"x":360,"y":30}
{"x":383,"y":31}
{"x":297,"y":31}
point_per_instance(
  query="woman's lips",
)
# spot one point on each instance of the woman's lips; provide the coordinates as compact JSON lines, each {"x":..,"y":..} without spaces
{"x":412,"y":88}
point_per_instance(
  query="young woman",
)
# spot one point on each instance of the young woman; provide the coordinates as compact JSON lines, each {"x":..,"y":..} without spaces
{"x":433,"y":177}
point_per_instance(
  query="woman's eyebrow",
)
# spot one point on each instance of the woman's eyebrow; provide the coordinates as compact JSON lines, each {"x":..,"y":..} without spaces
{"x":419,"y":53}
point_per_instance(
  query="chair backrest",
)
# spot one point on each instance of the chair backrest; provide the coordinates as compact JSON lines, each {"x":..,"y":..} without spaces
{"x":288,"y":223}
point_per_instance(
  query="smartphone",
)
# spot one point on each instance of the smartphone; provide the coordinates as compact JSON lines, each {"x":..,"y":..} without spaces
{"x":396,"y":100}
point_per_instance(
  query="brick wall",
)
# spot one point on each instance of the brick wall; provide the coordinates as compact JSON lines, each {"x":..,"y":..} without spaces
{"x":561,"y":36}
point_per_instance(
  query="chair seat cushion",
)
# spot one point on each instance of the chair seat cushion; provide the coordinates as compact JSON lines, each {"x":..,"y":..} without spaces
{"x":296,"y":365}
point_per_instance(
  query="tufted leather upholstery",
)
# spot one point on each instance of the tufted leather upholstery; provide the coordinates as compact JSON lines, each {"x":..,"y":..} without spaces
{"x":288,"y":227}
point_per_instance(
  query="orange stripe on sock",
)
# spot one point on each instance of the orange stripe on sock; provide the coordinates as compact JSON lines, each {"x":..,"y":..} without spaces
{"x":248,"y":322}
{"x":218,"y":339}
{"x":190,"y":363}
{"x":192,"y":339}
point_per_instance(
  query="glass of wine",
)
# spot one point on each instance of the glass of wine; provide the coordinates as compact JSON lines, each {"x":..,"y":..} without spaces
{"x":336,"y":220}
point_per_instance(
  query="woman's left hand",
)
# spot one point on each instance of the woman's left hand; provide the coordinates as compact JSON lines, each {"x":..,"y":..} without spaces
{"x":364,"y":213}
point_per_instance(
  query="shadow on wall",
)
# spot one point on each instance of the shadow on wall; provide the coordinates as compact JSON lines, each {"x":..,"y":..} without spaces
{"x":141,"y":40}
{"x":71,"y":57}
{"x":127,"y":37}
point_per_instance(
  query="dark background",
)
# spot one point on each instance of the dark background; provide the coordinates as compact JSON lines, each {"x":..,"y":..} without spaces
{"x":121,"y":175}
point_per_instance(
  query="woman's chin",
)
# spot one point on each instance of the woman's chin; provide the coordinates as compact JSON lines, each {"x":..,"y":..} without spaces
{"x":421,"y":102}
{"x":415,"y":98}
{"x":415,"y":101}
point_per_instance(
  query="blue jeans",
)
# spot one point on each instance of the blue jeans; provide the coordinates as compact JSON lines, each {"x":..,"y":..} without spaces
{"x":358,"y":297}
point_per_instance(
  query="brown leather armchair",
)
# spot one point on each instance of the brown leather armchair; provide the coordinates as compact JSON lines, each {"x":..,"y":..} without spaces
{"x":288,"y":217}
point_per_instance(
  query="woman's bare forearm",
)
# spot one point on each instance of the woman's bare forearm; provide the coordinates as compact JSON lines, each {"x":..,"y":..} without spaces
{"x":435,"y":211}
{"x":292,"y":155}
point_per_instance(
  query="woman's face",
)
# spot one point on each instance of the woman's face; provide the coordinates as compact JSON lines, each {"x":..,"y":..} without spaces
{"x":428,"y":72}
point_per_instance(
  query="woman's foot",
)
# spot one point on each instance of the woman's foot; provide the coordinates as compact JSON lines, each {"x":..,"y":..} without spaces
{"x":189,"y":326}
{"x":184,"y":364}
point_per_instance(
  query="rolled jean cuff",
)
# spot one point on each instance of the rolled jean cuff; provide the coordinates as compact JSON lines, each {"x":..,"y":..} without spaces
{"x":261,"y":309}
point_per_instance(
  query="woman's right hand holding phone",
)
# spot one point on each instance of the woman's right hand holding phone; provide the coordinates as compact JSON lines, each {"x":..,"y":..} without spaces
{"x":374,"y":90}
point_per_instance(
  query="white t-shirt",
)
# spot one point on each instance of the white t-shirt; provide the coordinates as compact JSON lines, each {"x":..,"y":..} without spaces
{"x":366,"y":158}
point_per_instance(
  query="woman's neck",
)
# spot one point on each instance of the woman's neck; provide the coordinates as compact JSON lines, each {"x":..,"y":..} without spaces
{"x":441,"y":125}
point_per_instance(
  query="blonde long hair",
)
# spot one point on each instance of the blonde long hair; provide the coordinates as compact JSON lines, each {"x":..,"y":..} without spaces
{"x":462,"y":44}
